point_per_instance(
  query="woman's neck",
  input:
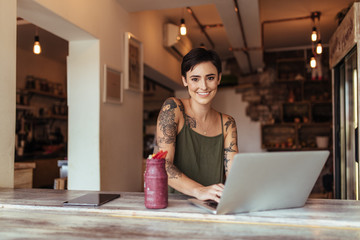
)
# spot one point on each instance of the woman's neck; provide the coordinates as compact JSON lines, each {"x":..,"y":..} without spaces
{"x":200,"y":111}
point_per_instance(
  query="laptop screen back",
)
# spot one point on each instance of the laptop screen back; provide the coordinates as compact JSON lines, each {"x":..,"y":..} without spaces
{"x":271,"y":180}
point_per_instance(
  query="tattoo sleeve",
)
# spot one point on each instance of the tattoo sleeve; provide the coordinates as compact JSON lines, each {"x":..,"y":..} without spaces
{"x":189,"y":121}
{"x":167,"y":124}
{"x":230,"y":122}
{"x":232,"y":147}
{"x":227,"y":150}
{"x":172,"y":170}
{"x":167,"y":127}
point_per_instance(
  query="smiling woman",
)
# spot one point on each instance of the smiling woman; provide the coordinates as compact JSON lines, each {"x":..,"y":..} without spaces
{"x":200,"y":141}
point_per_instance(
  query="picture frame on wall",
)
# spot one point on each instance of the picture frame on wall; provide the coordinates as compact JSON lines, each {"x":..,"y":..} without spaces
{"x":134,"y":66}
{"x":113,"y":87}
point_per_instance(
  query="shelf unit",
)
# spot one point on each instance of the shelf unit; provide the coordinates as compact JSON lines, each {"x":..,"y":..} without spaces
{"x":32,"y":92}
{"x":304,"y":115}
{"x":36,"y":123}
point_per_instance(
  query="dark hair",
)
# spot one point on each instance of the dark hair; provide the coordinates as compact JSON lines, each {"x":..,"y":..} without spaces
{"x":199,"y":55}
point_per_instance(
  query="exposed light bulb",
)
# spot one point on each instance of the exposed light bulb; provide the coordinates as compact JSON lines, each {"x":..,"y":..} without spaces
{"x":319,"y":48}
{"x":312,"y":62}
{"x":182,"y":27}
{"x":37,"y":47}
{"x":314,"y":34}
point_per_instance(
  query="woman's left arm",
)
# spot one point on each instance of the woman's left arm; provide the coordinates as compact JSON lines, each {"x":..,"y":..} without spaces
{"x":230,"y":143}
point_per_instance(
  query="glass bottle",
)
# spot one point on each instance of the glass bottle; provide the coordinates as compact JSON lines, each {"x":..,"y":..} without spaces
{"x":156,"y":184}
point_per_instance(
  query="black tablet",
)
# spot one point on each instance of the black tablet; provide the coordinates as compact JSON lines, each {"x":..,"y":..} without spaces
{"x":91,"y":199}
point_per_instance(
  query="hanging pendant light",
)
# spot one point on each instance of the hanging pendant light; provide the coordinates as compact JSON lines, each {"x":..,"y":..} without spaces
{"x":312,"y":62}
{"x":314,"y":34}
{"x":36,"y":47}
{"x":319,"y":47}
{"x":182,"y":27}
{"x":315,"y":39}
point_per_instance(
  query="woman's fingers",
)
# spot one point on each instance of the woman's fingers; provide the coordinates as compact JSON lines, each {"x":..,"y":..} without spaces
{"x":219,"y":186}
{"x":217,"y":190}
{"x":212,"y":192}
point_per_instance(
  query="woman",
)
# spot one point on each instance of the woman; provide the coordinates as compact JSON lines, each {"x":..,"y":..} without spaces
{"x":200,"y":141}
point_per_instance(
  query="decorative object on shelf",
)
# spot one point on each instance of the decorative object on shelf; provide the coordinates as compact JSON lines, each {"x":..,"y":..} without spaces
{"x":134,"y":67}
{"x":43,"y":86}
{"x":299,"y":77}
{"x":291,"y":96}
{"x":278,"y":136}
{"x":295,"y":112}
{"x":322,"y":141}
{"x":113,"y":85}
{"x":292,"y":69}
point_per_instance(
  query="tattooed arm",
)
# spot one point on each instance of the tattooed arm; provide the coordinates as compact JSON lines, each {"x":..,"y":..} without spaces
{"x":170,"y":121}
{"x":230,"y":144}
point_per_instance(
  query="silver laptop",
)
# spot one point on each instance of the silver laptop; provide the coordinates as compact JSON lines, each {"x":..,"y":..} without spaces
{"x":267,"y":181}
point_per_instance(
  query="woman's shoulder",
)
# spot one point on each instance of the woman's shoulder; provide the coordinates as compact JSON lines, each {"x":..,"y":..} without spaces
{"x":174,"y":105}
{"x":228,"y":121}
{"x":174,"y":102}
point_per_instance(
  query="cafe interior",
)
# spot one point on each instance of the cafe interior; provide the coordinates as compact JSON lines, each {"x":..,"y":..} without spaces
{"x":72,"y":130}
{"x":82,"y":114}
{"x":82,"y":84}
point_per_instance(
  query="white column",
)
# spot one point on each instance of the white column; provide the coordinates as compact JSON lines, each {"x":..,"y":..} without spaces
{"x":84,"y":115}
{"x":7,"y":91}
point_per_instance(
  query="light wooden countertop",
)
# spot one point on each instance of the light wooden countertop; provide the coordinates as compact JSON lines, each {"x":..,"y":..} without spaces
{"x":24,"y":165}
{"x":39,"y":214}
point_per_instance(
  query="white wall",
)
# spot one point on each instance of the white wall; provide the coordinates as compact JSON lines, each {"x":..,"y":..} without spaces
{"x":7,"y":91}
{"x":230,"y":102}
{"x":148,"y":26}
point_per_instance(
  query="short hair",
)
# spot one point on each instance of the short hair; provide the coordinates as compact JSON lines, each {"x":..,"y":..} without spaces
{"x":199,"y":55}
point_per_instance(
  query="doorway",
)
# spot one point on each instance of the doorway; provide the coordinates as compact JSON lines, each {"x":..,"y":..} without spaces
{"x":41,"y":105}
{"x":155,"y":95}
{"x":83,"y":69}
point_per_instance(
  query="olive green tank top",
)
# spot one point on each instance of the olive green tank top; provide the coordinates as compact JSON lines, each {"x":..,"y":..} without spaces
{"x":200,"y":157}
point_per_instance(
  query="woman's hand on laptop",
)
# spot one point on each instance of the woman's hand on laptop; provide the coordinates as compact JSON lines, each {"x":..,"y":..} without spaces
{"x":212,"y":192}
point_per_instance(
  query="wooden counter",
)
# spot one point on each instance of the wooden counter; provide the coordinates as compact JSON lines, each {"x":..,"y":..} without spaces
{"x":23,"y":175}
{"x":39,"y":214}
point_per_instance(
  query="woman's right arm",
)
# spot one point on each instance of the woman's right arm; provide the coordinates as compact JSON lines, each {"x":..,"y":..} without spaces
{"x":166,"y":131}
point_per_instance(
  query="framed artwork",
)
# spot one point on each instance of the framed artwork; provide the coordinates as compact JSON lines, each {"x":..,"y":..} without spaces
{"x":113,"y":89}
{"x":134,"y":67}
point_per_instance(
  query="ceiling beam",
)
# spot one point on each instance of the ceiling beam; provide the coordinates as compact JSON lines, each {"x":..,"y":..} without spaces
{"x":237,"y":10}
{"x":278,"y":21}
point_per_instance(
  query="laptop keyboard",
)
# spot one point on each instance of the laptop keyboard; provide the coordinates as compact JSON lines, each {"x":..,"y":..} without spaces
{"x":211,"y":203}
